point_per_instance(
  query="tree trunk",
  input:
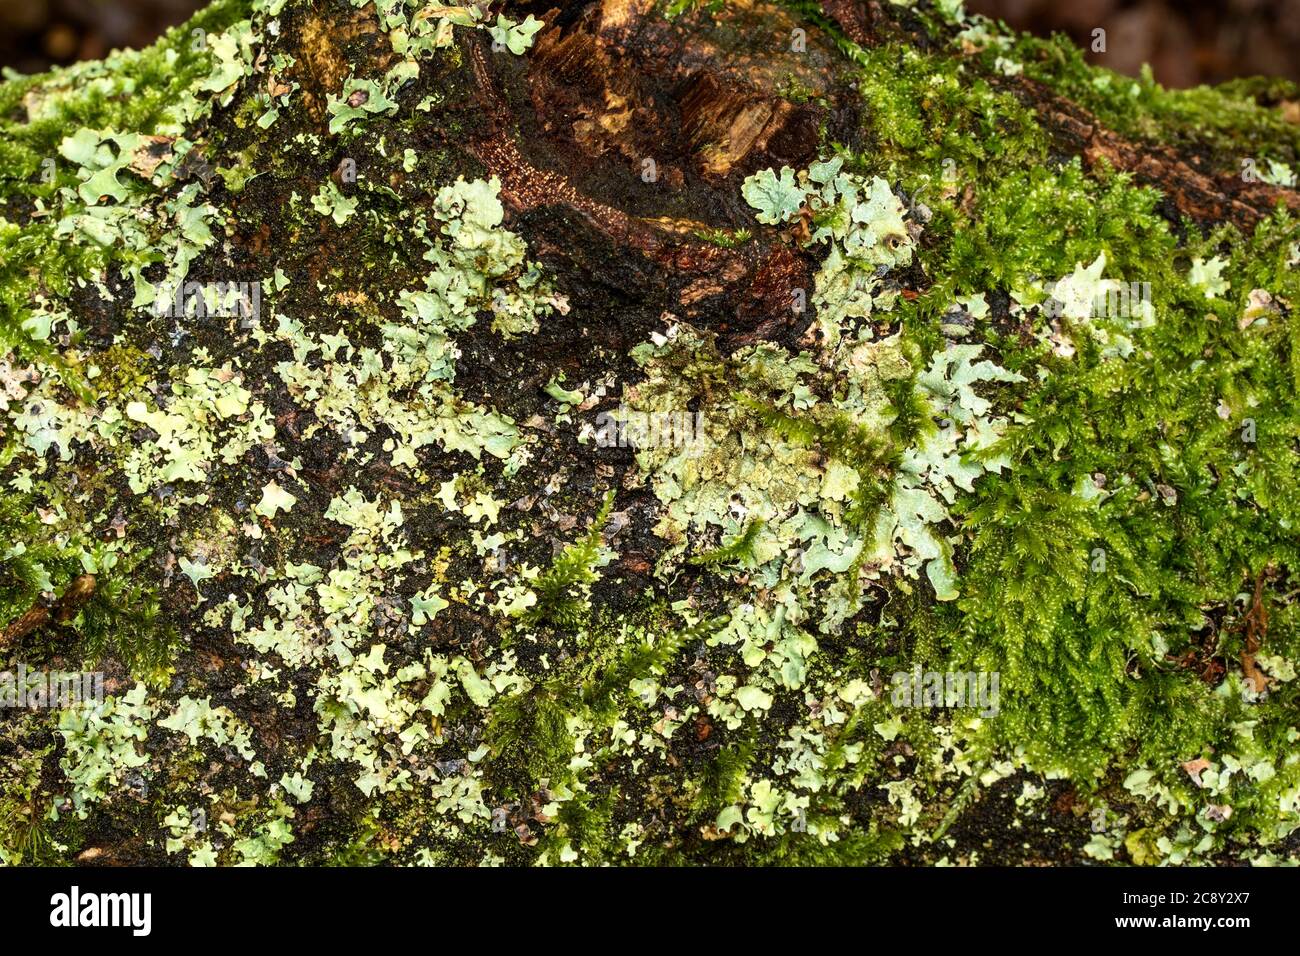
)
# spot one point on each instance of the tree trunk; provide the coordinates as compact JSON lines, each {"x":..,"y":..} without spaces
{"x":356,"y":444}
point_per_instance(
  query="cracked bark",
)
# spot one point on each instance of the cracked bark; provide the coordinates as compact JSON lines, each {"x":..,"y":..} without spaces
{"x":610,"y":85}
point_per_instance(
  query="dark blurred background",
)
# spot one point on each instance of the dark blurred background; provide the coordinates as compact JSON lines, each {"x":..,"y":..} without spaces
{"x":36,"y":34}
{"x":1186,"y":43}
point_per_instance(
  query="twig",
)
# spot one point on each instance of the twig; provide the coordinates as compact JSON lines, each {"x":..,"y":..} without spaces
{"x":61,"y":611}
{"x":1255,"y":622}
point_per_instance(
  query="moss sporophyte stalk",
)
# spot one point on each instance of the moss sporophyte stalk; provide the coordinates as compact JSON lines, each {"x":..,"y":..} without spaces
{"x":432,"y":485}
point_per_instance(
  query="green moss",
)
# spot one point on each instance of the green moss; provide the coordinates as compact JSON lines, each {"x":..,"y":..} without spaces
{"x":1230,"y":119}
{"x":563,"y":589}
{"x":724,"y":238}
{"x":143,"y":93}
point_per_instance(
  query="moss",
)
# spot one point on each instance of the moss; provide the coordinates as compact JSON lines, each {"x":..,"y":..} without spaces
{"x":1235,"y":120}
{"x":725,"y":239}
{"x":563,"y":588}
{"x":143,"y":92}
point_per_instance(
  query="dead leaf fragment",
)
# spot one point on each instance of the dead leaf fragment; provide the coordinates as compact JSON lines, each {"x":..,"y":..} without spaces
{"x":1195,"y":768}
{"x":151,"y":155}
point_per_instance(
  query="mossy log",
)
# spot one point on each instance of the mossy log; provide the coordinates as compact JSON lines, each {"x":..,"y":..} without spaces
{"x":640,"y":432}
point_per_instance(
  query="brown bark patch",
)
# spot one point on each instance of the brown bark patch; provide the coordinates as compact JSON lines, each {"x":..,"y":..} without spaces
{"x":1203,"y":197}
{"x":324,"y":48}
{"x":644,"y":128}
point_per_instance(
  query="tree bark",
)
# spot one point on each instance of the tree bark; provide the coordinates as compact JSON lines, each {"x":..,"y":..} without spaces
{"x":620,"y":141}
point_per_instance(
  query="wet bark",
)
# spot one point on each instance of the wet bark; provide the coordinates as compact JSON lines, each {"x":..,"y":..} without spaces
{"x":623,"y":137}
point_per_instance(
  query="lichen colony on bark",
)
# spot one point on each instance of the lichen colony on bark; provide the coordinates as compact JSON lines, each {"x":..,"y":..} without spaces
{"x":632,"y":432}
